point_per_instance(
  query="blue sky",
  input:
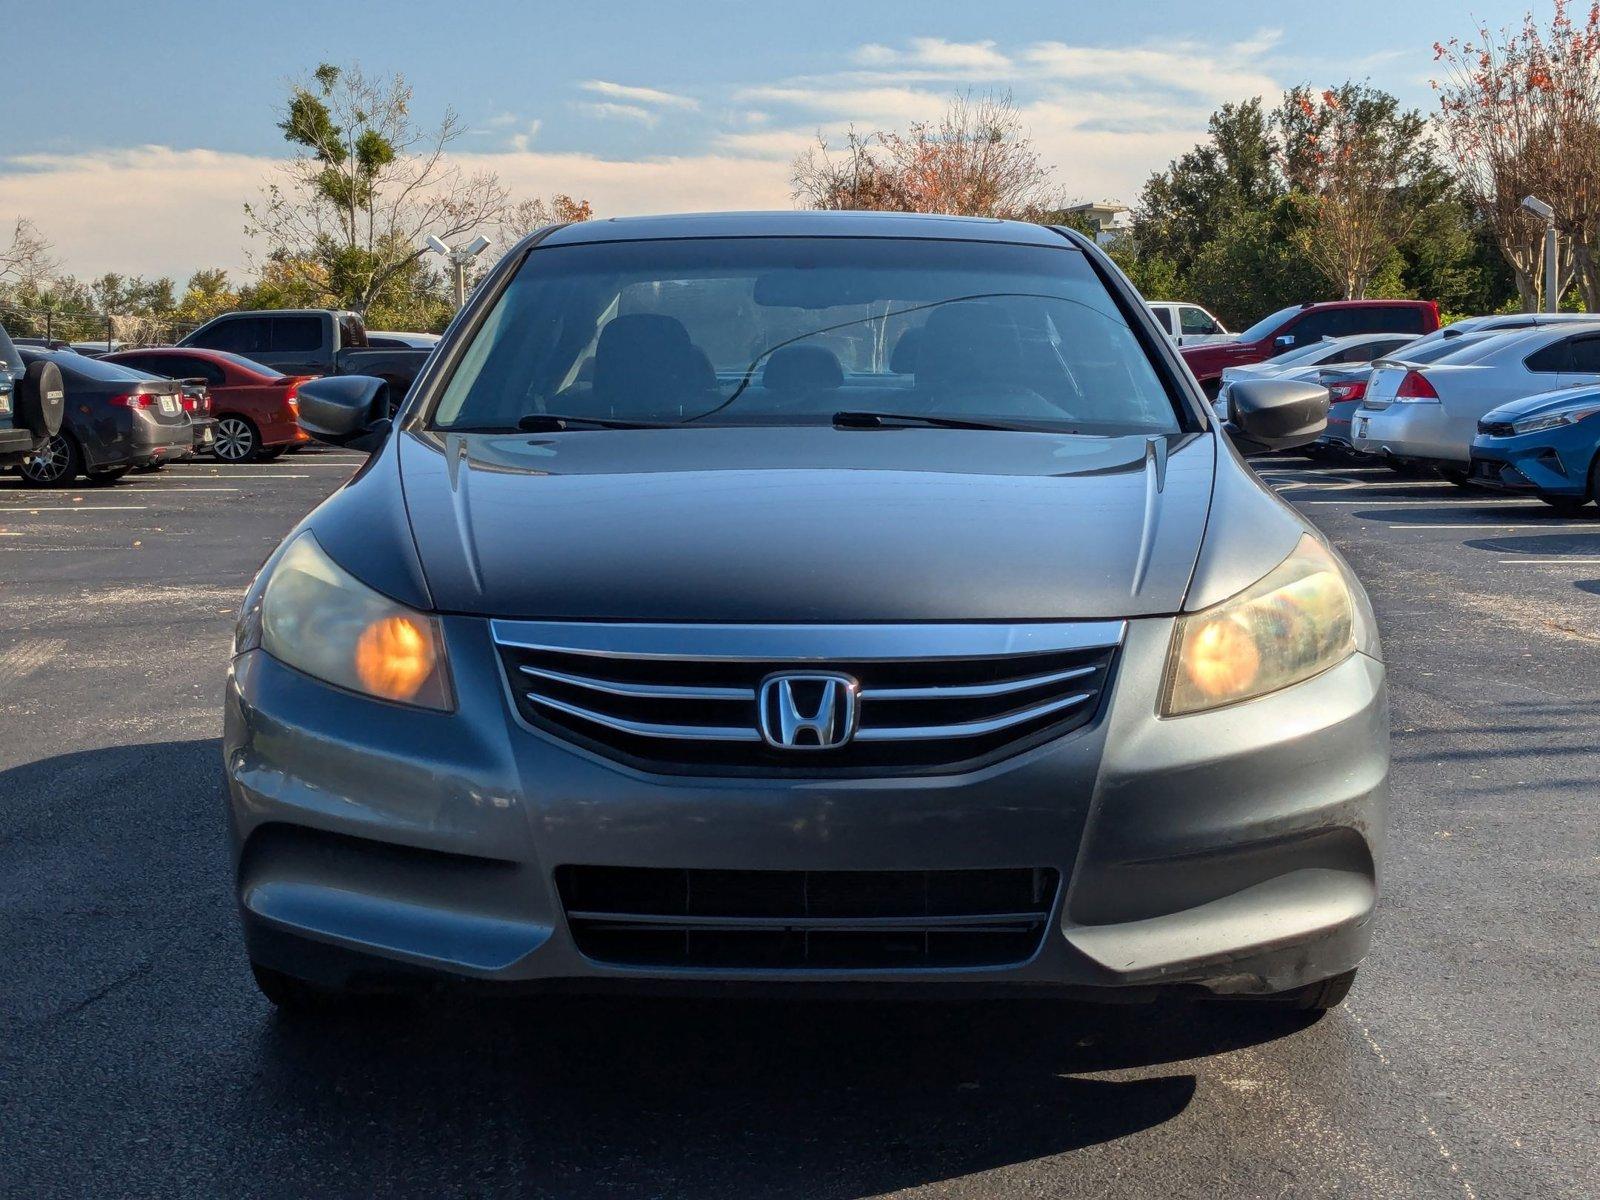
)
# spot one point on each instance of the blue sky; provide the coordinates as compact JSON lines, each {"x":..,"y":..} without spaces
{"x":163,"y":126}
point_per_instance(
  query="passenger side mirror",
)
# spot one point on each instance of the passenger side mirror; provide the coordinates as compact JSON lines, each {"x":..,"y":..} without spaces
{"x":346,"y":410}
{"x":1275,"y":414}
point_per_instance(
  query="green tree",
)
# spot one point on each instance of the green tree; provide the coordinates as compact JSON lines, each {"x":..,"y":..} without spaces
{"x":346,"y":221}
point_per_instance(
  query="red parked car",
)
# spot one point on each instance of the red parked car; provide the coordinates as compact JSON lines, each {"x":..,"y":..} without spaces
{"x":255,"y":409}
{"x":1303,"y":324}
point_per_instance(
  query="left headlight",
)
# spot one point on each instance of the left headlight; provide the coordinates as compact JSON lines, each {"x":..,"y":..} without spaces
{"x":1298,"y":621}
{"x":319,"y":619}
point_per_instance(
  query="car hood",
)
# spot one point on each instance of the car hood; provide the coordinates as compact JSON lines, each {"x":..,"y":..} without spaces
{"x":1544,"y":402}
{"x":1214,"y":356}
{"x":806,"y":524}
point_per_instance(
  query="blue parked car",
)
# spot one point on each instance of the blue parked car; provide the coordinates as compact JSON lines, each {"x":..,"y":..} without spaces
{"x":1544,"y":444}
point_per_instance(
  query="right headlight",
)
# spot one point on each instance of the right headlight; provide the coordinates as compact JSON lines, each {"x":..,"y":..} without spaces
{"x":1298,"y":621}
{"x":1553,"y":420}
{"x":318,"y":618}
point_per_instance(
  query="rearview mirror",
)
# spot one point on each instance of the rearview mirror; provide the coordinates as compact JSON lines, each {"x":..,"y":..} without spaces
{"x":345,"y":410}
{"x":1275,"y":414}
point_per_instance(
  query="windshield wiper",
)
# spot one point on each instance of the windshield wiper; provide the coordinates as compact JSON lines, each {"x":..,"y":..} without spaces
{"x":556,"y":422}
{"x":853,"y":419}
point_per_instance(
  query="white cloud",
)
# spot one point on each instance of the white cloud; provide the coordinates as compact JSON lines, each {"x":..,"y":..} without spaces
{"x":1104,"y":118}
{"x":606,"y":110}
{"x":520,"y":141}
{"x":639,"y":95}
{"x":933,"y":52}
{"x":156,"y":210}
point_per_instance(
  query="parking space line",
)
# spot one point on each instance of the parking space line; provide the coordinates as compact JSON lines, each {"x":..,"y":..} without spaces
{"x":129,"y":491}
{"x":24,"y":510}
{"x":1549,"y":562}
{"x":210,"y":477}
{"x":1554,"y":528}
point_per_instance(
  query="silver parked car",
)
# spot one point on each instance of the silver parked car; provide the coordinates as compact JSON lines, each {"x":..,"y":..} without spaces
{"x":1428,"y":414}
{"x":807,"y":598}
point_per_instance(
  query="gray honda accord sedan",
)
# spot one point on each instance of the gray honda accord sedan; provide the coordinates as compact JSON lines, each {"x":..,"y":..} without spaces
{"x":807,"y":600}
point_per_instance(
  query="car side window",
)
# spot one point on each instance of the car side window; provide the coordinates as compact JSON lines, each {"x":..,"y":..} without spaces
{"x":1405,"y":320}
{"x":242,"y":335}
{"x":1550,"y":360}
{"x":1583,"y":357}
{"x":296,"y":334}
{"x":1163,"y":318}
{"x":184,"y":367}
{"x":1195,"y":320}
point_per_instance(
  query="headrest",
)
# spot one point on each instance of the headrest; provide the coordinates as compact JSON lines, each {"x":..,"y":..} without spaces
{"x":904,"y":359}
{"x":646,"y":361}
{"x":973,"y":341}
{"x":802,"y":368}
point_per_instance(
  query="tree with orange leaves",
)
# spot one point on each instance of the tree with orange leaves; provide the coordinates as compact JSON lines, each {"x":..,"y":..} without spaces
{"x":1520,"y":114}
{"x":976,"y":160}
{"x":1362,"y":173}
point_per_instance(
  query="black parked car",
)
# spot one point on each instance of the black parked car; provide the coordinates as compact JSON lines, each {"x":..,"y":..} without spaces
{"x":115,"y":420}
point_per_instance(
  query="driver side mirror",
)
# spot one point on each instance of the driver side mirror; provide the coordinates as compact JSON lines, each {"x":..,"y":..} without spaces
{"x":1283,"y":341}
{"x":346,"y":410}
{"x":1275,"y":414}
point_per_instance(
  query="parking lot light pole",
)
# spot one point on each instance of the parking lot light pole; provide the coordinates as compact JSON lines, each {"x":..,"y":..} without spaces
{"x":459,"y":259}
{"x":1552,"y":280}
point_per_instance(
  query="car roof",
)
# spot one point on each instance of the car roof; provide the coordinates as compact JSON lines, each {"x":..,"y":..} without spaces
{"x":805,"y":224}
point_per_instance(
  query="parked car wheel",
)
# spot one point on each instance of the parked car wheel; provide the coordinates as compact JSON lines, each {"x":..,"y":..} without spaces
{"x":237,"y":439}
{"x":55,"y":464}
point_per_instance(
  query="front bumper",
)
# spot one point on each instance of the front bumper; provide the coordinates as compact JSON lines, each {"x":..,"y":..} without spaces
{"x":1235,"y":851}
{"x":1541,"y":463}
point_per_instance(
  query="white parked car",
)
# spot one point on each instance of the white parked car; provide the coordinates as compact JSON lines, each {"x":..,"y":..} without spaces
{"x":1352,"y":349}
{"x":1429,"y":414}
{"x":1188,"y":324}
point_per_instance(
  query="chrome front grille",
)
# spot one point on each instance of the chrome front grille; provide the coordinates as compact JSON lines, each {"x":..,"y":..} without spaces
{"x":690,"y":698}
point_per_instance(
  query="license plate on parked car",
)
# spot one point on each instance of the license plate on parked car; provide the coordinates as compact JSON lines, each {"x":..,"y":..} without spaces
{"x":169,"y":405}
{"x":5,"y":403}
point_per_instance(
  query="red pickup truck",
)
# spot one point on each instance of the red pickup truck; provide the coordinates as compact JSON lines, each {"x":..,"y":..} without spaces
{"x":1303,"y":324}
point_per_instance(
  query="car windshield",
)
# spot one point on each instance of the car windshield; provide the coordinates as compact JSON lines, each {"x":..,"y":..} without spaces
{"x":83,"y":367}
{"x":1434,"y":351}
{"x":1305,"y":354}
{"x":10,"y":360}
{"x":794,"y":330}
{"x":1267,"y":324}
{"x":247,"y":364}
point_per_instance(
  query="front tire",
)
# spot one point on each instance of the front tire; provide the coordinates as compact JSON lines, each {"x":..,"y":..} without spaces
{"x":57,"y":463}
{"x":237,"y":439}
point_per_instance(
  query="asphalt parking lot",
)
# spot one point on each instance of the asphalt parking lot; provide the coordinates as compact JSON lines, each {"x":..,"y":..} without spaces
{"x":137,"y":1059}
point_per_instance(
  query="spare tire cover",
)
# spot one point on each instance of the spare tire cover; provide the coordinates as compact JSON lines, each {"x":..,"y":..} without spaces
{"x":42,"y":399}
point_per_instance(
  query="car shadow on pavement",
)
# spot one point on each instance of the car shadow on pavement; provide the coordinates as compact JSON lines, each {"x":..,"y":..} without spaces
{"x":116,"y":914}
{"x":742,"y":1097}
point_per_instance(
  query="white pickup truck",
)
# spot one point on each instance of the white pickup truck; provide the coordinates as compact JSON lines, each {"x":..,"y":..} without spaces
{"x":1188,"y":324}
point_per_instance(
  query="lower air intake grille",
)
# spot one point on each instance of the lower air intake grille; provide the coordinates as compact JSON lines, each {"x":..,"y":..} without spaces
{"x":699,"y":699}
{"x":866,"y":920}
